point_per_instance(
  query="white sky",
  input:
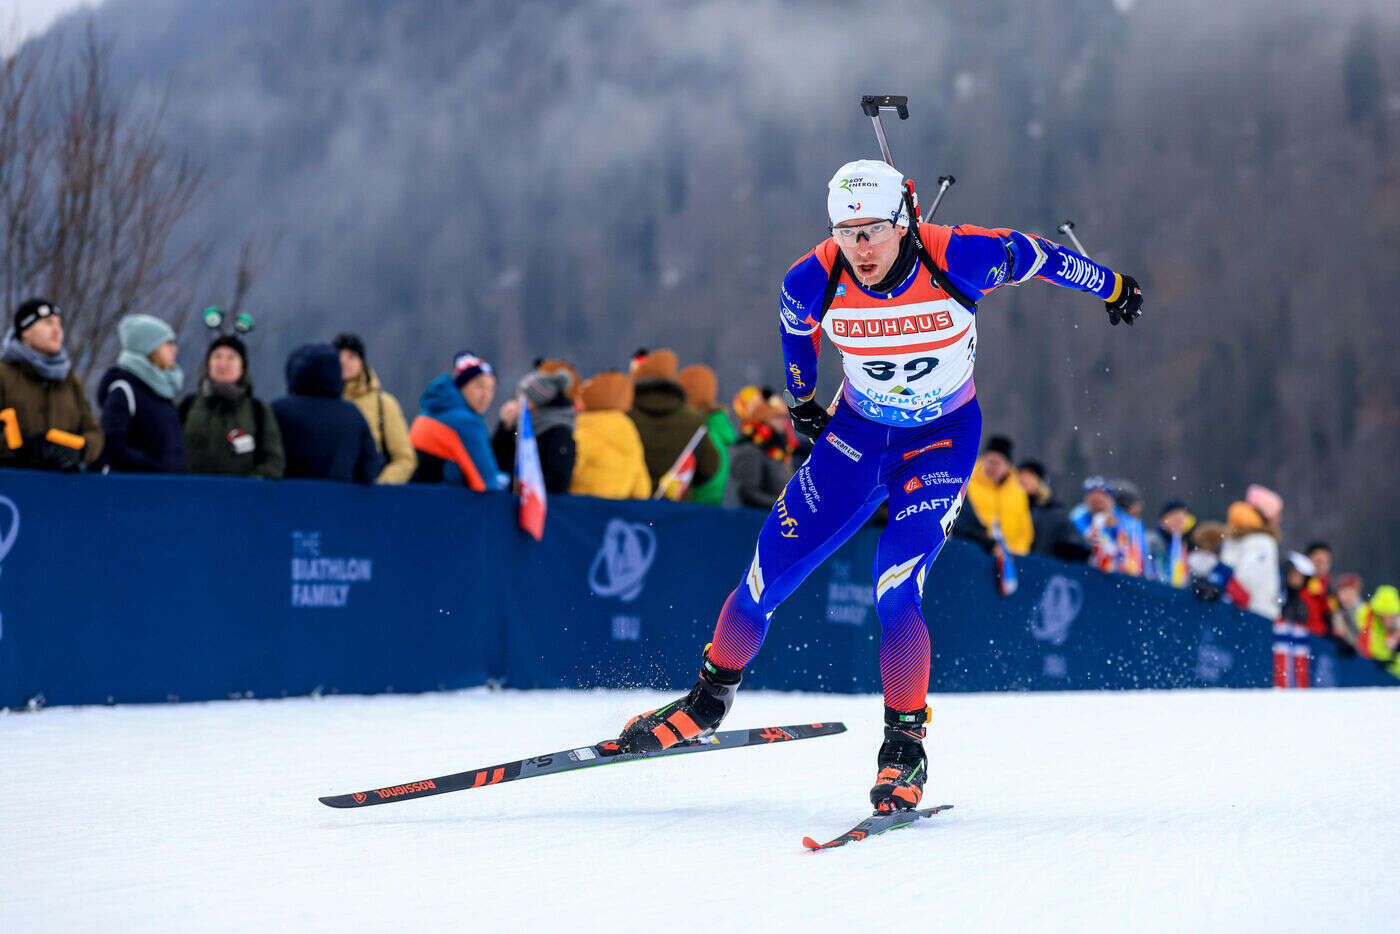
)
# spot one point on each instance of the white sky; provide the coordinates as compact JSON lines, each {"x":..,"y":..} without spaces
{"x":21,"y":19}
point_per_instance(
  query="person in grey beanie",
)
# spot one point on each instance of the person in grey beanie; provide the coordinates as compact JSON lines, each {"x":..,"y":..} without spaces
{"x":139,"y":418}
{"x":552,"y":416}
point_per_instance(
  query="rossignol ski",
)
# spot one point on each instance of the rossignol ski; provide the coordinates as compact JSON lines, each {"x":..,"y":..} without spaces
{"x":585,"y":757}
{"x":875,"y":825}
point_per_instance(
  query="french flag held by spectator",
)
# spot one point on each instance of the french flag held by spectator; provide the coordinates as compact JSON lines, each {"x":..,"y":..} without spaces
{"x":528,"y":476}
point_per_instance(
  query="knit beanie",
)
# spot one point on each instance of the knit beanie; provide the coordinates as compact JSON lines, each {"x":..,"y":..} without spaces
{"x":467,"y":366}
{"x":142,"y":334}
{"x":232,"y":342}
{"x":701,"y":386}
{"x":31,"y":311}
{"x":544,"y":388}
{"x":1269,"y":503}
{"x":1386,"y":601}
{"x":559,"y":366}
{"x":999,"y":444}
{"x":659,"y":364}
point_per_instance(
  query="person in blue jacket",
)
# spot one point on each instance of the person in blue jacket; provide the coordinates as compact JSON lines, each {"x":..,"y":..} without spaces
{"x":450,"y":432}
{"x":139,"y":419}
{"x":898,"y":299}
{"x":324,"y":436}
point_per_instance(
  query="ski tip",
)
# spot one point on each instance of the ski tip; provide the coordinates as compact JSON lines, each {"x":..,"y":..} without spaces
{"x":811,"y":844}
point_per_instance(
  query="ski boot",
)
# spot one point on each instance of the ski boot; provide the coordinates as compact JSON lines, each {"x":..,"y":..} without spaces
{"x":696,"y":714}
{"x":902,"y":765}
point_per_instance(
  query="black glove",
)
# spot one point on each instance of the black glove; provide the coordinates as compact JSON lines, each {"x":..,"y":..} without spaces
{"x":1128,"y":307}
{"x":47,"y":454}
{"x":809,"y":419}
{"x":1205,"y":589}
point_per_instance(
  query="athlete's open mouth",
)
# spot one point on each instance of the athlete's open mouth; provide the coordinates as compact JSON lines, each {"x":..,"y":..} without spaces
{"x":865,"y":269}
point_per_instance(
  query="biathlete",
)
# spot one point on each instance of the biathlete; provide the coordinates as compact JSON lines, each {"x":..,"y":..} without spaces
{"x":899,"y":302}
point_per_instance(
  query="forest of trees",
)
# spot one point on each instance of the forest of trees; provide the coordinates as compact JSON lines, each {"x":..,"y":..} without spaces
{"x":578,"y":179}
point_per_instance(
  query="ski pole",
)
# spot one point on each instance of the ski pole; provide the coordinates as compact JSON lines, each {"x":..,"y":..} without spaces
{"x":872,"y":104}
{"x":1067,"y":228}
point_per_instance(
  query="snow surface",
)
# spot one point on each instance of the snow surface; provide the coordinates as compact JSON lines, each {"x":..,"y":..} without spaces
{"x":1200,"y":811}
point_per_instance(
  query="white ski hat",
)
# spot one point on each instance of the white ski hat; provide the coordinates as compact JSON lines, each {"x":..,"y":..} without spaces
{"x":866,"y":188}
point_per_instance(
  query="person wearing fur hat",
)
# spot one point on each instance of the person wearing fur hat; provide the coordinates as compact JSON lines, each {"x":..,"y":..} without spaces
{"x":610,"y":462}
{"x":380,"y":409}
{"x":547,"y":393}
{"x":227,"y":430}
{"x":665,"y":422}
{"x":41,"y":394}
{"x":1251,"y":548}
{"x":139,"y":419}
{"x":450,"y":433}
{"x":701,"y":389}
{"x":760,"y":462}
{"x":324,"y":436}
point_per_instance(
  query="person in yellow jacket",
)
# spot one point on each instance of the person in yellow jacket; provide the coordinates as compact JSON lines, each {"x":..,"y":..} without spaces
{"x":610,"y":461}
{"x":380,"y":409}
{"x":1379,"y":624}
{"x":997,"y":496}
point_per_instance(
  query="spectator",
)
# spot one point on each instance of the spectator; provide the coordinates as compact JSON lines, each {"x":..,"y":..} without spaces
{"x":1127,"y":498}
{"x":450,"y":433}
{"x":760,"y":463}
{"x":997,"y":497}
{"x":1053,"y":532}
{"x":610,"y":462}
{"x":324,"y":436}
{"x":227,"y":429}
{"x":1211,"y":578}
{"x":379,"y":408}
{"x":701,"y":389}
{"x":1269,"y":504}
{"x":1098,"y":519}
{"x":1317,"y":594}
{"x":1346,"y":616}
{"x":665,"y":422}
{"x":552,"y":417}
{"x":37,"y":381}
{"x":1379,"y":625}
{"x":1292,"y":653}
{"x":1251,"y":548}
{"x":1296,"y":570}
{"x":139,"y":421}
{"x":1174,"y":521}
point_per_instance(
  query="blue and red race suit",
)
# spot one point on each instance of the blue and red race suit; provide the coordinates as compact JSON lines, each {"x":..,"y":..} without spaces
{"x":906,"y":429}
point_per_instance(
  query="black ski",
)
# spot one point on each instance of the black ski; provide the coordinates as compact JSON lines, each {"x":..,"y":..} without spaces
{"x":876,"y":824}
{"x":607,"y":752}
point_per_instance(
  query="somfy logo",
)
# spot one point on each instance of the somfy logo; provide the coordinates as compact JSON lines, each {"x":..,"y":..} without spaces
{"x":1059,"y":605}
{"x":620,"y":567}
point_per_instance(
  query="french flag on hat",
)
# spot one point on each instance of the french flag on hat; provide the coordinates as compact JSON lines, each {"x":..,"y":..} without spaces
{"x":528,"y":476}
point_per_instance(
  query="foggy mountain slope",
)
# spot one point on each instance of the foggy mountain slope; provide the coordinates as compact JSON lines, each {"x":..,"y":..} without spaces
{"x":580,"y":178}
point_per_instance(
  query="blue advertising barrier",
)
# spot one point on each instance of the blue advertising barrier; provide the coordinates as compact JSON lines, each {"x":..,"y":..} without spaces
{"x":141,"y":588}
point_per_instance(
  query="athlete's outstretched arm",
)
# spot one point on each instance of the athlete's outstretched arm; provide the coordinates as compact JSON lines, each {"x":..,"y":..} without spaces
{"x":979,"y":259}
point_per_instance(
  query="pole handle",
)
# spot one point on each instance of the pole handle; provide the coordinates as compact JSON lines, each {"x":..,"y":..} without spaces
{"x":872,"y":104}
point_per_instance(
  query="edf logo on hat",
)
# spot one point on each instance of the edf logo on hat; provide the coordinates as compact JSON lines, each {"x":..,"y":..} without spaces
{"x":866,"y":188}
